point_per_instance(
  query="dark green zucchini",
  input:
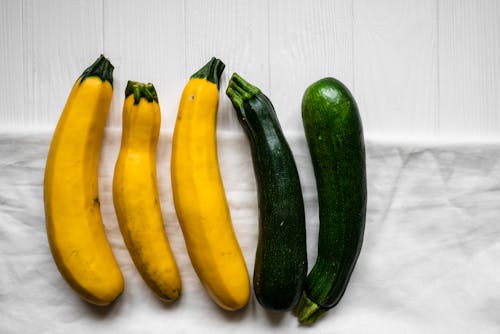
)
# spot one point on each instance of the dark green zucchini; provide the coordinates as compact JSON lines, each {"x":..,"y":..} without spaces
{"x":281,"y":257}
{"x":334,"y":135}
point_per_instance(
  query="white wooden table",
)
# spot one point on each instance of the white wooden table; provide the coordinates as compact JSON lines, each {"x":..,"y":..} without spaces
{"x":418,"y":68}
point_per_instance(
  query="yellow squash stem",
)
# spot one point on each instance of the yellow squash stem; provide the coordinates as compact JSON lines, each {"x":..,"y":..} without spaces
{"x":72,"y":210}
{"x":199,"y":196}
{"x":135,"y":193}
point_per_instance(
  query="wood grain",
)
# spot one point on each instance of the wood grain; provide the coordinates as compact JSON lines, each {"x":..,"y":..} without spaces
{"x":237,"y":33}
{"x":396,"y":66}
{"x":11,"y":65}
{"x":59,"y":41}
{"x":418,"y":68}
{"x":307,"y":42}
{"x":145,"y":42}
{"x":469,"y":68}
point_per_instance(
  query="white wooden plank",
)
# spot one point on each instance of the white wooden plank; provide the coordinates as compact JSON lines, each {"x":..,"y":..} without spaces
{"x":237,"y":33}
{"x":395,"y":52}
{"x":60,"y":39}
{"x":469,"y":63}
{"x":145,"y":42}
{"x":390,"y":61}
{"x":11,"y":64}
{"x":308,"y":41}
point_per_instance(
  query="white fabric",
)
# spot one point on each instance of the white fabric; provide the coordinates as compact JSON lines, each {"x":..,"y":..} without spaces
{"x":430,"y":261}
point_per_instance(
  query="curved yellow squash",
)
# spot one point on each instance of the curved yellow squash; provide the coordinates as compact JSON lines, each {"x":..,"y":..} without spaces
{"x":73,"y":218}
{"x":135,"y":193}
{"x":199,"y":197}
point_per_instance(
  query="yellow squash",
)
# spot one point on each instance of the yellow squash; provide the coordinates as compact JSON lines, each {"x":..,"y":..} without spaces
{"x":135,"y":193}
{"x":73,"y":217}
{"x":199,"y":197}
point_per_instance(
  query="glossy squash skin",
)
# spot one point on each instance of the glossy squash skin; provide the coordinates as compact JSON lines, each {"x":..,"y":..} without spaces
{"x":281,"y":258}
{"x":334,"y":135}
{"x":135,"y":193}
{"x":199,"y":196}
{"x":72,"y":209}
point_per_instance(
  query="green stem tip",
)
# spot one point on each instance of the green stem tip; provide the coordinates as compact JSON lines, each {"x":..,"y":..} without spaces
{"x":212,"y":71}
{"x":308,"y":311}
{"x":101,"y":68}
{"x":239,"y":90}
{"x":141,"y":90}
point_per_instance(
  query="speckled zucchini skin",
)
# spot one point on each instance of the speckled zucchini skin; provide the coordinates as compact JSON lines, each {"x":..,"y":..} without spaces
{"x":281,"y":258}
{"x":334,"y":135}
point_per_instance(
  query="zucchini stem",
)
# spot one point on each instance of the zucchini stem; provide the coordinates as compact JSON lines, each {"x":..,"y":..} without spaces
{"x":139,"y":90}
{"x":212,"y":71}
{"x":308,"y":311}
{"x":238,"y":90}
{"x":101,"y":68}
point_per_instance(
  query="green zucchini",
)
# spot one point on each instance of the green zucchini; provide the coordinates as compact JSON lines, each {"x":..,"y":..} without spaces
{"x":334,"y":136}
{"x":281,"y":258}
